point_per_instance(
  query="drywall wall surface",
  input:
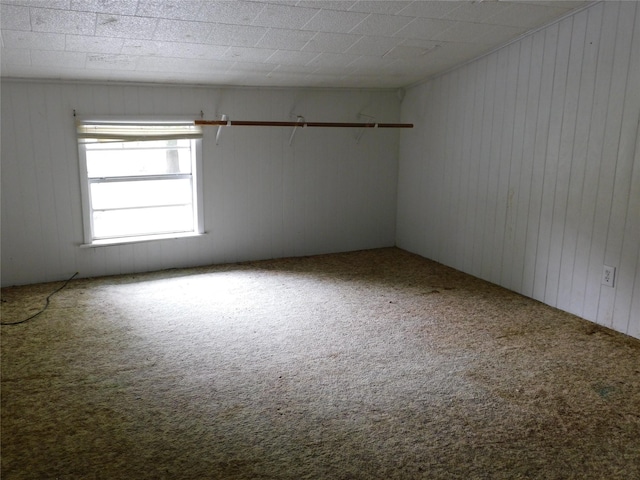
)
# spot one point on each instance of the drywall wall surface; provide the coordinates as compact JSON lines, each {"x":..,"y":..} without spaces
{"x":524,"y":169}
{"x":326,"y":192}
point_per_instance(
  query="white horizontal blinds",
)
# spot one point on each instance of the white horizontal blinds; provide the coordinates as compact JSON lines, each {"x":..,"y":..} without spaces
{"x":100,"y":132}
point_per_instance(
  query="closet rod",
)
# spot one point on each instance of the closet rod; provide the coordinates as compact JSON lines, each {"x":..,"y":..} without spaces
{"x":242,"y":123}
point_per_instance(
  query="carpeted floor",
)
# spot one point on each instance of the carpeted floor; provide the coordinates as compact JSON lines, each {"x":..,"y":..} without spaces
{"x":367,"y":365}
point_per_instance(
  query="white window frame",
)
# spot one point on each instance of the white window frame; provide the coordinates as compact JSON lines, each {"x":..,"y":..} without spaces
{"x":85,"y":181}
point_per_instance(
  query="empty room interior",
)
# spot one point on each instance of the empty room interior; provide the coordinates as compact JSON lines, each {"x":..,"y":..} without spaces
{"x":295,"y":239}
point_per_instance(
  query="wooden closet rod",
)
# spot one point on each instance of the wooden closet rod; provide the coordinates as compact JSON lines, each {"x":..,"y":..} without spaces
{"x":241,"y":123}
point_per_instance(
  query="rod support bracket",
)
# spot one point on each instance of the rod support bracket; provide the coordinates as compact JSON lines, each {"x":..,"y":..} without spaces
{"x":300,"y":121}
{"x":224,"y":118}
{"x":361,"y":132}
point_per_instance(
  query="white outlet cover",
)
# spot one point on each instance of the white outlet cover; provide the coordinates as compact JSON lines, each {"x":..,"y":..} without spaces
{"x":608,"y":275}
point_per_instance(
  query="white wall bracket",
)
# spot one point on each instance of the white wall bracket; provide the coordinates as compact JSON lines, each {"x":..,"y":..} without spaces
{"x":224,"y":118}
{"x":361,"y":132}
{"x":299,"y":120}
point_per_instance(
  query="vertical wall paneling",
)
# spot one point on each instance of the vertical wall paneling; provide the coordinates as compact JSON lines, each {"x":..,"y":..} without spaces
{"x":617,"y":51}
{"x":578,"y":164}
{"x":498,"y":172}
{"x":633,"y":325}
{"x":12,"y":192}
{"x":452,"y":172}
{"x":546,"y":188}
{"x":437,"y":200}
{"x":485,"y":180}
{"x":625,"y":214}
{"x":500,"y":239}
{"x":510,"y":273}
{"x":473,"y":161}
{"x":61,"y":159}
{"x":563,"y":171}
{"x":549,"y":174}
{"x":615,"y":163}
{"x":588,"y":234}
{"x":524,"y":234}
{"x":539,"y":132}
{"x":32,"y":242}
{"x":263,"y":198}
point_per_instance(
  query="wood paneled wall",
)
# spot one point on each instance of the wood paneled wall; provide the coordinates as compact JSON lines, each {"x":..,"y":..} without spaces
{"x":263,"y":198}
{"x":524,"y":167}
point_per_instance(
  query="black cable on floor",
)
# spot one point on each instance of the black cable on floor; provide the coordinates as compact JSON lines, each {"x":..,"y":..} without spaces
{"x":46,"y":305}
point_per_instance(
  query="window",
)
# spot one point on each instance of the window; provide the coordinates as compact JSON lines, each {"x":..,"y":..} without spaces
{"x":140,"y":181}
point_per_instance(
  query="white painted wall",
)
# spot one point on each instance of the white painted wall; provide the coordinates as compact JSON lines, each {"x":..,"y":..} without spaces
{"x":263,"y":198}
{"x":521,"y":169}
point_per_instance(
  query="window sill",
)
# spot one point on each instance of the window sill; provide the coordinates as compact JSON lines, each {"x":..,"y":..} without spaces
{"x":110,"y":242}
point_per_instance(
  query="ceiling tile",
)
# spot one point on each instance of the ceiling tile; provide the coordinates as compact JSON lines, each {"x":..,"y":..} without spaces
{"x":182,"y":31}
{"x":285,"y":57}
{"x":425,"y":28}
{"x":332,"y":60}
{"x":44,"y":58}
{"x":175,"y":9}
{"x":125,"y":26}
{"x":459,"y":51}
{"x":430,"y":9}
{"x":477,"y":12}
{"x":284,"y":16}
{"x":249,"y":67}
{"x":17,"y":57}
{"x":193,"y":50}
{"x":143,"y":47}
{"x":165,"y":64}
{"x":383,"y":25}
{"x":463,"y":32}
{"x":33,"y":40}
{"x":361,"y":80}
{"x":371,"y":64}
{"x":418,"y":42}
{"x":173,"y":49}
{"x":387,"y":7}
{"x":258,"y":42}
{"x":14,"y":17}
{"x":334,"y":21}
{"x":499,"y":34}
{"x":291,"y":3}
{"x":61,"y":21}
{"x":59,"y":4}
{"x":246,"y":54}
{"x":236,"y":12}
{"x":238,"y":35}
{"x":569,"y":4}
{"x":292,"y":69}
{"x":410,"y":52}
{"x":330,"y":70}
{"x":374,"y":46}
{"x":111,"y":62}
{"x":525,"y":15}
{"x":277,"y":38}
{"x":118,"y":7}
{"x":331,"y":42}
{"x":342,"y":5}
{"x":84,"y":43}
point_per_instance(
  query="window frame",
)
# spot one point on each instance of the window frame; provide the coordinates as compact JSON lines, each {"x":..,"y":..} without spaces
{"x":196,"y":183}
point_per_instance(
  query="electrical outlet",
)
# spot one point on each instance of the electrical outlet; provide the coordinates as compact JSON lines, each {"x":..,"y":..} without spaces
{"x":608,"y":275}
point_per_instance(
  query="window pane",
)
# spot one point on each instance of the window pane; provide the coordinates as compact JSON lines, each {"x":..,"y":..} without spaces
{"x":140,"y":188}
{"x":141,"y":193}
{"x":139,"y":158}
{"x":143,"y":221}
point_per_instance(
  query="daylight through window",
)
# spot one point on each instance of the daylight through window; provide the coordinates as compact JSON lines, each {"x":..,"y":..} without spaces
{"x":140,"y":181}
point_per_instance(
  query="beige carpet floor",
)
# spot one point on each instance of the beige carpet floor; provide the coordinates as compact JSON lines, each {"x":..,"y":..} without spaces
{"x":367,"y":365}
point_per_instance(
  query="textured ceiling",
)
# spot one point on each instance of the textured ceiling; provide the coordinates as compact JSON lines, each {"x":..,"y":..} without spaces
{"x":343,"y":43}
